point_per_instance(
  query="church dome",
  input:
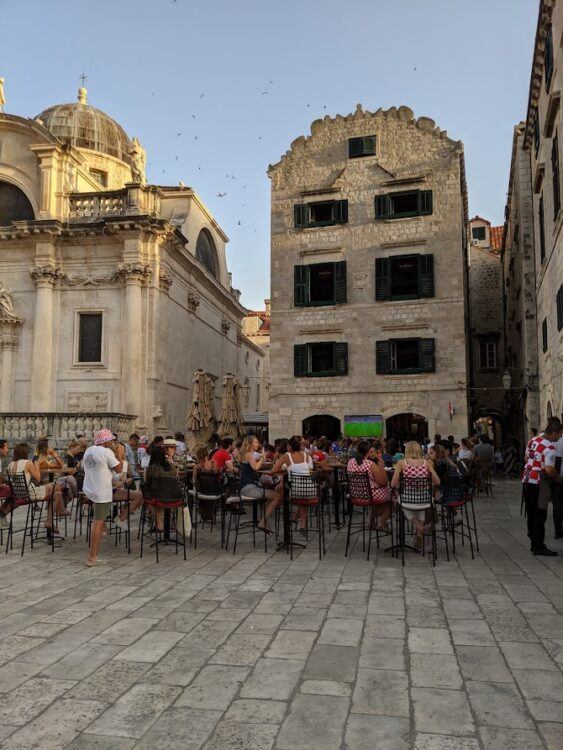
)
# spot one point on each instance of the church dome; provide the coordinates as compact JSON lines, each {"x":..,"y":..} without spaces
{"x":84,"y":126}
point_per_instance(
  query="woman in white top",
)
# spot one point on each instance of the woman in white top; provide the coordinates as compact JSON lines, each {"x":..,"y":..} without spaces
{"x":296,"y":461}
{"x":49,"y":492}
{"x":121,"y":482}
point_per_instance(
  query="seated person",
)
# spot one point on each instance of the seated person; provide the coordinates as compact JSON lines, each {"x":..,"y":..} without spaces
{"x":222,"y":458}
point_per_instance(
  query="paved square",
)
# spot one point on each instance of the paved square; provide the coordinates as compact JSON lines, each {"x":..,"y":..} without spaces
{"x":255,"y":651}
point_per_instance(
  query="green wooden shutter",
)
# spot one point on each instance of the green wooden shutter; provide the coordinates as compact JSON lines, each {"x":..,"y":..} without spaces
{"x":341,"y":212}
{"x":368,"y":145}
{"x":382,"y":279}
{"x":426,"y":355}
{"x":300,"y":360}
{"x":301,"y":286}
{"x":381,"y":206}
{"x":426,"y":275}
{"x":383,"y":357}
{"x":341,"y":359}
{"x":300,"y":215}
{"x":355,"y":146}
{"x":424,"y":202}
{"x":340,"y":290}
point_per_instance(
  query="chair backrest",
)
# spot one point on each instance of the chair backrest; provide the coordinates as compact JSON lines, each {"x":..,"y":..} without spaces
{"x":416,"y":490}
{"x":20,"y":489}
{"x":79,"y":476}
{"x":359,"y":487}
{"x":209,"y":482}
{"x":454,"y":489}
{"x":304,"y":488}
{"x":169,"y":490}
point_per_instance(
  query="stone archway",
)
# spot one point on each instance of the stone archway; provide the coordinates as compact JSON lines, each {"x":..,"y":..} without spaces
{"x":322,"y":425}
{"x":14,"y":204}
{"x":407,"y":426}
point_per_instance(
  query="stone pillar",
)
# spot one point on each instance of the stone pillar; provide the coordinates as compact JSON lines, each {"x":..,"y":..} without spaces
{"x":41,"y":397}
{"x":135,"y":275}
{"x":9,"y":339}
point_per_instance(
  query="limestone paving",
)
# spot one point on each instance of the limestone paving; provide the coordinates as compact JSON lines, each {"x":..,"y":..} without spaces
{"x":258,"y":652}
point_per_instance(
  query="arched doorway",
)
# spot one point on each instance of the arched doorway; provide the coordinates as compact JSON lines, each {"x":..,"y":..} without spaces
{"x":407,"y":426}
{"x":14,"y":204}
{"x":322,"y":425}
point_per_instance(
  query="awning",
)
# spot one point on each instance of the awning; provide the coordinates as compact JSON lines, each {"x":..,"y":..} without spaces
{"x":255,"y":417}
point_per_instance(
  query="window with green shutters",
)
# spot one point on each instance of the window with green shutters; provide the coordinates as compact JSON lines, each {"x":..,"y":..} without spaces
{"x":320,"y":284}
{"x":320,"y":214}
{"x":403,"y":204}
{"x":363,"y":146}
{"x":541,"y":220}
{"x":555,"y":175}
{"x":404,"y":277}
{"x":320,"y":360}
{"x":405,"y":356}
{"x":548,"y":59}
{"x":544,"y":335}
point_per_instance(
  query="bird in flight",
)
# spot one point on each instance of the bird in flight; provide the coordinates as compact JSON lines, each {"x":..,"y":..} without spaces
{"x":178,"y":134}
{"x":221,"y":195}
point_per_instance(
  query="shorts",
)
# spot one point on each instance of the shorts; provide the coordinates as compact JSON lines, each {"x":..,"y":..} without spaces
{"x":253,"y":491}
{"x":101,"y":511}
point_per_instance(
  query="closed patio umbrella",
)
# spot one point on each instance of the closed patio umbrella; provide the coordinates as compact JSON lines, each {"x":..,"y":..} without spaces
{"x":230,"y":421}
{"x":201,"y":417}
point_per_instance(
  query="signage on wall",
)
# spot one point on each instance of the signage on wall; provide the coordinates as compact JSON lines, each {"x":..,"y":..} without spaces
{"x":363,"y":425}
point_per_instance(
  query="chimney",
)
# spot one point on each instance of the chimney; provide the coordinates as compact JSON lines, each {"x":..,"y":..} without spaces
{"x":267,"y":306}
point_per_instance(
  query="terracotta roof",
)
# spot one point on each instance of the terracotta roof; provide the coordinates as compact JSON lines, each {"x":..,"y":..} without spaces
{"x":496,"y":238}
{"x":479,"y":218}
{"x":264,"y":329}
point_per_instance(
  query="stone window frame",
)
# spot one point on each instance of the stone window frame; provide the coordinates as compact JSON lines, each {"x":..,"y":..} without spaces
{"x":76,"y":362}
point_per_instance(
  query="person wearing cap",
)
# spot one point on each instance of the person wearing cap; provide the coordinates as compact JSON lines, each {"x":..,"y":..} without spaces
{"x":170,"y":448}
{"x":99,"y":465}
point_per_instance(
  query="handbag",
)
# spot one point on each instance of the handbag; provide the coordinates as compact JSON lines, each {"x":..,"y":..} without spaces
{"x":184,"y":522}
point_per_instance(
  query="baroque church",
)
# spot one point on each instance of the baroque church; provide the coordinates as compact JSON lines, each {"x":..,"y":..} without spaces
{"x":112,"y":291}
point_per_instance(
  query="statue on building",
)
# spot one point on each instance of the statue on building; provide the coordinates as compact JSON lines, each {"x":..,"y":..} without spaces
{"x":6,"y":302}
{"x":2,"y":97}
{"x":138,"y":161}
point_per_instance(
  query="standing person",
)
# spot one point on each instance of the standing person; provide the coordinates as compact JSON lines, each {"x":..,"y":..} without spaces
{"x":539,"y":468}
{"x":132,"y":456}
{"x":99,"y":464}
{"x":557,"y":491}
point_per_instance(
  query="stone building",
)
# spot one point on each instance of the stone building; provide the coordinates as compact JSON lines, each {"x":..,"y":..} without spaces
{"x":368,"y":279}
{"x":519,"y":275}
{"x":256,"y":328}
{"x":486,"y":330}
{"x":113,"y":292}
{"x":543,"y":144}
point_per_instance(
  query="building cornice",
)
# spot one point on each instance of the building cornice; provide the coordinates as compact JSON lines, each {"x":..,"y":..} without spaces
{"x":544,"y":21}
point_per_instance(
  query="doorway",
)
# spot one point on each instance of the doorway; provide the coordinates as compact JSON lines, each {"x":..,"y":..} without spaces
{"x":407,"y":426}
{"x":322,"y":425}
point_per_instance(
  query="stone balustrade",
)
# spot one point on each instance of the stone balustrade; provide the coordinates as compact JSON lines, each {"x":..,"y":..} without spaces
{"x":130,"y":200}
{"x":61,"y":427}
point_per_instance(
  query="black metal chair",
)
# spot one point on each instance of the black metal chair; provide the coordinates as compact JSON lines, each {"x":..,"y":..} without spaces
{"x":170,"y":501}
{"x":360,"y":496}
{"x":307,"y":491}
{"x":207,"y":496}
{"x":415,"y":495}
{"x":22,"y":497}
{"x":236,"y":503}
{"x":454,"y":498}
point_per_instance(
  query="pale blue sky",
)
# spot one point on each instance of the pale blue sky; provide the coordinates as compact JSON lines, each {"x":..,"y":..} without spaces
{"x":256,"y":73}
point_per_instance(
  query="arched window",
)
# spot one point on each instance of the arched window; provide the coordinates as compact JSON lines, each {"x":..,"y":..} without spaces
{"x":206,"y":252}
{"x":14,"y":205}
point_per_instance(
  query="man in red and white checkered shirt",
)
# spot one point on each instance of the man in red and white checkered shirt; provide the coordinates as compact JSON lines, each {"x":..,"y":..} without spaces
{"x":540,"y":465}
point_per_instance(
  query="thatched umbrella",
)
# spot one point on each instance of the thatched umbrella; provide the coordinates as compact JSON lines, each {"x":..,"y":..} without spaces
{"x":201,"y":418}
{"x":230,"y":421}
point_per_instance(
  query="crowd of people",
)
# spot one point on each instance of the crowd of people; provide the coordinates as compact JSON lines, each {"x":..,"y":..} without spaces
{"x":132,"y":471}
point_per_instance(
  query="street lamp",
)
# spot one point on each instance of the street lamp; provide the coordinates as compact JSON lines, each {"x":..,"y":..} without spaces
{"x":506,"y":380}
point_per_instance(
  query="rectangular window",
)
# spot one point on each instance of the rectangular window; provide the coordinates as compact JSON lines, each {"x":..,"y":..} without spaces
{"x":544,"y":335}
{"x":404,"y":277}
{"x":100,"y":177}
{"x":258,"y":397}
{"x":560,"y":308}
{"x":537,"y":131}
{"x":320,"y":214}
{"x":322,"y":359}
{"x":404,"y":204}
{"x":555,"y":175}
{"x":479,"y":233}
{"x":488,"y":350}
{"x":364,"y":146}
{"x":541,"y":221}
{"x":548,"y":59}
{"x":90,"y":337}
{"x":405,"y":356}
{"x":319,"y":284}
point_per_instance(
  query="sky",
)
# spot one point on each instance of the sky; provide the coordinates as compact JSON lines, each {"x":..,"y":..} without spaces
{"x":217,"y":90}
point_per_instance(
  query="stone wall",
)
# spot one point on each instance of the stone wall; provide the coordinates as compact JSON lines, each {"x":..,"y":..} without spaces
{"x":411,"y":154}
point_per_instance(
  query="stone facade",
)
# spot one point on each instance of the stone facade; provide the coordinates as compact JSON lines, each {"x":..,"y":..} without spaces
{"x":150,"y":260}
{"x":256,"y":328}
{"x":410,"y":155}
{"x":543,"y":143}
{"x":486,"y":333}
{"x":518,"y":265}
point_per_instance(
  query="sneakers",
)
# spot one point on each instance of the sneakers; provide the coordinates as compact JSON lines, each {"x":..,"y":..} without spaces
{"x":121,"y":524}
{"x":544,"y":551}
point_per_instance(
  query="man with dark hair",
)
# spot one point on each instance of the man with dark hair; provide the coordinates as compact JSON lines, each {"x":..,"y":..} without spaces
{"x":222,"y":457}
{"x":539,"y":469}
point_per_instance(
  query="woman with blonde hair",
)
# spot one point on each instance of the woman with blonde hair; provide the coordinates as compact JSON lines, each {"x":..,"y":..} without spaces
{"x":48,"y":462}
{"x":250,"y":464}
{"x":414,"y":466}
